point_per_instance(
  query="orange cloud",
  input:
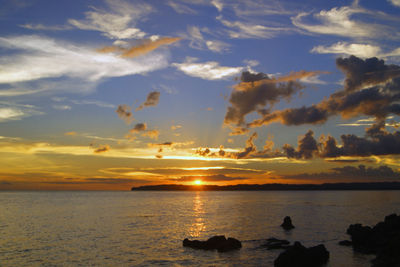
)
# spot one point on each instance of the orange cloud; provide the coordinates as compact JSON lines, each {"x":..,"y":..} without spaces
{"x":145,"y":47}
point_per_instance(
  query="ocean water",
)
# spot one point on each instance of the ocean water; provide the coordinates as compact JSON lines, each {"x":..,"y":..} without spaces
{"x":147,"y":228}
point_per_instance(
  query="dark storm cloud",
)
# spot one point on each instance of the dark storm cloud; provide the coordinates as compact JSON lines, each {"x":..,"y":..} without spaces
{"x":371,"y":88}
{"x":102,"y":149}
{"x":139,"y":127}
{"x":258,"y":92}
{"x":376,"y":142}
{"x":248,"y":152}
{"x":151,"y":100}
{"x":307,"y":147}
{"x":368,"y":72}
{"x":125,"y":113}
{"x":350,"y":172}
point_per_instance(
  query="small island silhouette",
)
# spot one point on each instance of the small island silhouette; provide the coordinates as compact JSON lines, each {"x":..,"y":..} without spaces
{"x":272,"y":187}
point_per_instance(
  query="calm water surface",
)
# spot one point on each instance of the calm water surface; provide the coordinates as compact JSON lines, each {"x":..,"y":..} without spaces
{"x":147,"y":228}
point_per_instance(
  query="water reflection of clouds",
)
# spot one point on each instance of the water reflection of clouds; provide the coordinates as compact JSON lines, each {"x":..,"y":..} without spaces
{"x":198,"y":224}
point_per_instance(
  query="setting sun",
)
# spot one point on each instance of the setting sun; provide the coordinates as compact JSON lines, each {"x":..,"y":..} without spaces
{"x":197,"y":182}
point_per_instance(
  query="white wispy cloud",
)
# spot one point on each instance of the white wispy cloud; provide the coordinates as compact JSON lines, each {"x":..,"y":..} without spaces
{"x":359,"y":50}
{"x":39,"y":57}
{"x":42,"y":27}
{"x":395,"y":2}
{"x":62,"y":107}
{"x":339,"y":21}
{"x":181,"y":8}
{"x":93,"y":102}
{"x":13,"y":111}
{"x":210,"y":70}
{"x":246,"y":30}
{"x":197,"y":41}
{"x":116,"y":21}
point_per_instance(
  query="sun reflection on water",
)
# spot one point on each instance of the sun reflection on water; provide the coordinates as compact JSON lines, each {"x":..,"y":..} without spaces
{"x":198,"y":224}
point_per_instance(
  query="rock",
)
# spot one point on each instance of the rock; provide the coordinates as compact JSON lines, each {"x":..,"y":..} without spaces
{"x":219,"y":243}
{"x":383,"y":240}
{"x":274,"y":243}
{"x":287,"y":223}
{"x":345,"y":243}
{"x":300,"y":256}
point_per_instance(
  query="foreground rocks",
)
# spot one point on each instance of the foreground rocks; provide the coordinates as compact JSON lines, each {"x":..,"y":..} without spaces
{"x":300,"y":256}
{"x":220,"y":243}
{"x":383,"y":240}
{"x":287,"y":223}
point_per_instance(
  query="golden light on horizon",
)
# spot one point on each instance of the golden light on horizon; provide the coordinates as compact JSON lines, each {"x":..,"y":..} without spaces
{"x":197,"y":182}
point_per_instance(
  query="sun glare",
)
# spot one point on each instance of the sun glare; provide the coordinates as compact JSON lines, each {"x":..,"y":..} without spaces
{"x":197,"y":182}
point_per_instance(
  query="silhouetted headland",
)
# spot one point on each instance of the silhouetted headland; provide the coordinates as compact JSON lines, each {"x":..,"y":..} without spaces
{"x":272,"y":187}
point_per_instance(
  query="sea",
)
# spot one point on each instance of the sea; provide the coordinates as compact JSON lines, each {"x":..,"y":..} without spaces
{"x":81,"y":228}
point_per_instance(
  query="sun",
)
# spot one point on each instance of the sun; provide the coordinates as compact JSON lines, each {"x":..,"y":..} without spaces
{"x":197,"y":182}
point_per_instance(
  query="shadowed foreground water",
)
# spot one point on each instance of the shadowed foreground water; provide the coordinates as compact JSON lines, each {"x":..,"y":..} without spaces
{"x":147,"y":228}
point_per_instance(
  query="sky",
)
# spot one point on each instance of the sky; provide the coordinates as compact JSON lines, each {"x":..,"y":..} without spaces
{"x":106,"y":95}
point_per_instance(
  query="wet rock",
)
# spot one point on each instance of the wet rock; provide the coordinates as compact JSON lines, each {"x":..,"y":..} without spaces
{"x":219,"y":243}
{"x":383,"y":240}
{"x":346,"y":243}
{"x":287,"y":223}
{"x":274,"y":243}
{"x":300,"y":256}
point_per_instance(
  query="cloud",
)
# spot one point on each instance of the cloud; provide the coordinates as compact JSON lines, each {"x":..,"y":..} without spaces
{"x":41,"y":27}
{"x":197,"y":41}
{"x":39,"y":57}
{"x":70,"y":133}
{"x":370,"y":88}
{"x":151,"y":100}
{"x":181,"y":8}
{"x":344,"y":48}
{"x":115,"y":22}
{"x":307,"y":147}
{"x":62,"y":107}
{"x":395,"y":2}
{"x":176,"y":127}
{"x":13,"y":111}
{"x":93,"y":102}
{"x":361,"y":172}
{"x":208,"y":178}
{"x":210,"y":70}
{"x":258,"y":92}
{"x":245,"y":30}
{"x":153,"y":134}
{"x":376,"y":142}
{"x":139,"y":127}
{"x":358,"y":50}
{"x":102,"y":149}
{"x":144,"y":48}
{"x":142,"y":128}
{"x":248,"y":152}
{"x":338,"y":21}
{"x":125,"y":113}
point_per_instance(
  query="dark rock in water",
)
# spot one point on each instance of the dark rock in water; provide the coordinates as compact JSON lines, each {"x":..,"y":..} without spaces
{"x":219,"y":243}
{"x":345,"y":243}
{"x":300,"y":256}
{"x":383,"y":240}
{"x":287,"y":223}
{"x":274,"y":243}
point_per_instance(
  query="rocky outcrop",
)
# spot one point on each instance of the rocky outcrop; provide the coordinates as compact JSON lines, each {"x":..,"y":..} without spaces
{"x":274,"y":243}
{"x":300,"y":256}
{"x":220,"y":243}
{"x":383,"y":240}
{"x":287,"y":223}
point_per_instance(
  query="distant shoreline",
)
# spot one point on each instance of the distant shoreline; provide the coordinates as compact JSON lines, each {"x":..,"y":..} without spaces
{"x":272,"y":187}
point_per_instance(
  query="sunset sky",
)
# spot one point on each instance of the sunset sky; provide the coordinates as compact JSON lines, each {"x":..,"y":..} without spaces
{"x":106,"y":95}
